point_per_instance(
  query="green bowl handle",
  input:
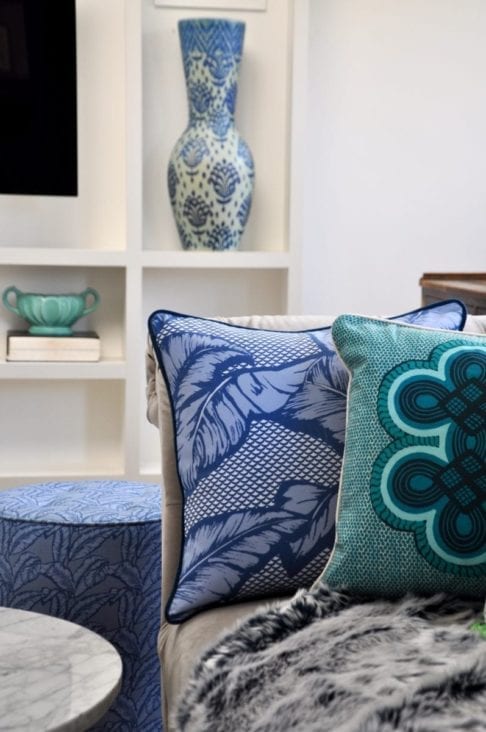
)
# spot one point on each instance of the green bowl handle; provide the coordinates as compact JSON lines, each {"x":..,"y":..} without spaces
{"x":8,"y":305}
{"x":96,"y":298}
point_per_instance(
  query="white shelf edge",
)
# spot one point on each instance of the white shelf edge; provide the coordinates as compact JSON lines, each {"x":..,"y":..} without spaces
{"x":11,"y":480}
{"x":53,"y":257}
{"x":151,"y":469}
{"x":22,"y":370}
{"x":215,"y":260}
{"x":249,"y":5}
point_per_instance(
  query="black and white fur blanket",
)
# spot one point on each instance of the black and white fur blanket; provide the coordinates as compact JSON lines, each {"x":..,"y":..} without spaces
{"x":327,"y":662}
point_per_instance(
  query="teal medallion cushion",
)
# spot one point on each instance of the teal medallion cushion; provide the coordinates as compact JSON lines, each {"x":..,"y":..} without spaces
{"x":258,"y":422}
{"x":411,"y":513}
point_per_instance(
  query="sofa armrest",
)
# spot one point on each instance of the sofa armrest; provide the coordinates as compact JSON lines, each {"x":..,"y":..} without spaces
{"x":151,"y":369}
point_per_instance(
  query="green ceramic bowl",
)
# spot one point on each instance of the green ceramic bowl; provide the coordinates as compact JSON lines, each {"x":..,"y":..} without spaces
{"x":50,"y":314}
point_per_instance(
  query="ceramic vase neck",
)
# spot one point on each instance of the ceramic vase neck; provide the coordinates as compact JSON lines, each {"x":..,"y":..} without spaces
{"x":211,"y":52}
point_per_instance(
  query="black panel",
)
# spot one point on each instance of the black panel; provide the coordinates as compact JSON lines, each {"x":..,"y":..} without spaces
{"x":38,"y":130}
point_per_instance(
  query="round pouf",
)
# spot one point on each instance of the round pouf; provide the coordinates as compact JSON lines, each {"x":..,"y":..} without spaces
{"x":89,"y":552}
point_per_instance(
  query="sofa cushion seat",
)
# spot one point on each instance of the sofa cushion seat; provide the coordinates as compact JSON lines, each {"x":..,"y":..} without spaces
{"x":183,"y":644}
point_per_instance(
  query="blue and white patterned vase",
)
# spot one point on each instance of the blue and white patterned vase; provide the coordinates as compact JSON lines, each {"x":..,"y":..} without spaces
{"x":211,"y":169}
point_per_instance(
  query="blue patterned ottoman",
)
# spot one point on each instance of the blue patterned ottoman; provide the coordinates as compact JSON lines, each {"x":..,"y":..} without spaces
{"x":89,"y":552}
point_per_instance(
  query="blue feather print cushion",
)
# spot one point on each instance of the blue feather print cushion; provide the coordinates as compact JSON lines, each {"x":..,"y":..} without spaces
{"x":259,"y":420}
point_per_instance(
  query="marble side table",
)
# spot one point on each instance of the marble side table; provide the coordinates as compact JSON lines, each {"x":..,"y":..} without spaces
{"x":55,"y":675}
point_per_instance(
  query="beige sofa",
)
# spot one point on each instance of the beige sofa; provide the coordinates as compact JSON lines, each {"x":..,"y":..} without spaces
{"x":180,"y":645}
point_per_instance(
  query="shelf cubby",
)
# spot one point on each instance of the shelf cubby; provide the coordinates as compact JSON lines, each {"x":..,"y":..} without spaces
{"x":64,"y":428}
{"x":85,"y":420}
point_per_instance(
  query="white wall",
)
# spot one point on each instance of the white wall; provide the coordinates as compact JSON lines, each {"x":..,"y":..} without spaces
{"x":396,"y":151}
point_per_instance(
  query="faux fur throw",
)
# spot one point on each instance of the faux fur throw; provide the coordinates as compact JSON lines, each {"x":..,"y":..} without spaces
{"x":327,"y":662}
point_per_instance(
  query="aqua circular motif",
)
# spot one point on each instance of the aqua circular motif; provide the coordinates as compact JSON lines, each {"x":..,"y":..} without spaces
{"x":431,"y":479}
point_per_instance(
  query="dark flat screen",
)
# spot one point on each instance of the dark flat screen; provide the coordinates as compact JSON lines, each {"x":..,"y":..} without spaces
{"x":38,"y":130}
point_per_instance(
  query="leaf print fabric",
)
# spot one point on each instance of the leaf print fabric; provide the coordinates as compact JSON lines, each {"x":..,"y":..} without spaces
{"x":259,"y":420}
{"x":89,"y":552}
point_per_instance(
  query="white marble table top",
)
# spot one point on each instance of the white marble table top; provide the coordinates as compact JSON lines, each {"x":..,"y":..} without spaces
{"x":54,"y":675}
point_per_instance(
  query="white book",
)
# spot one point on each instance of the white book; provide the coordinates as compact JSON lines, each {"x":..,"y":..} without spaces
{"x":81,"y":346}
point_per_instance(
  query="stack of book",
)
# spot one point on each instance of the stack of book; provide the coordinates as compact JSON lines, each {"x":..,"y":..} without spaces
{"x":82,"y":346}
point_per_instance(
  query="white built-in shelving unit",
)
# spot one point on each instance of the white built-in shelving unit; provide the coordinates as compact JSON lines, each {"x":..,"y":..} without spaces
{"x":82,"y":420}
